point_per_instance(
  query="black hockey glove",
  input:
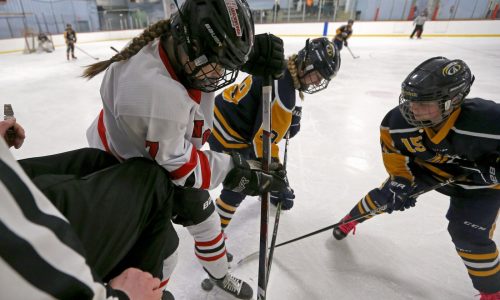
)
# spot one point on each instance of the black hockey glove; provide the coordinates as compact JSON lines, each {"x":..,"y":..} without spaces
{"x":484,"y":173}
{"x":247,"y":177}
{"x":397,"y":194}
{"x":286,"y":199}
{"x":345,"y":43}
{"x":295,"y":124}
{"x":267,"y":57}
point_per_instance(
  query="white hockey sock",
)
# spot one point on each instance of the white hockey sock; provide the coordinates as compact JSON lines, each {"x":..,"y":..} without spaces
{"x":209,"y":245}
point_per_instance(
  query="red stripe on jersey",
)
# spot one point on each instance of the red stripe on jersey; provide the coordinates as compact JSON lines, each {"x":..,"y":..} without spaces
{"x":194,"y":94}
{"x":101,"y":129}
{"x":206,"y":174}
{"x":166,"y":62}
{"x":185,"y":168}
{"x":210,"y":243}
{"x":211,"y":258}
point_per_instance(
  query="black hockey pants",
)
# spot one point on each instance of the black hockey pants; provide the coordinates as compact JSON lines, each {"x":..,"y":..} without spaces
{"x":418,"y":30}
{"x":120,"y":211}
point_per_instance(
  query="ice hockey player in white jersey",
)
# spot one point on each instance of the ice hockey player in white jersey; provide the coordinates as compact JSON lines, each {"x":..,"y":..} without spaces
{"x":158,"y":103}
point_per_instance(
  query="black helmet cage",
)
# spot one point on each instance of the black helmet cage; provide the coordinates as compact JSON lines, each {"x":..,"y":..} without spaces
{"x":319,"y":55}
{"x":216,"y":35}
{"x":440,"y":80}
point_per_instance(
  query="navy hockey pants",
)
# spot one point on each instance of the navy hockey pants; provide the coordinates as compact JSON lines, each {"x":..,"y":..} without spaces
{"x":471,"y":226}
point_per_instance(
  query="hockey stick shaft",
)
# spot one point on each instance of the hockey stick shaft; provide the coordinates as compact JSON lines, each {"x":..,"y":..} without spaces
{"x":85,"y":52}
{"x":264,"y":207}
{"x":372,"y":212}
{"x":352,"y":54}
{"x":277,"y":217}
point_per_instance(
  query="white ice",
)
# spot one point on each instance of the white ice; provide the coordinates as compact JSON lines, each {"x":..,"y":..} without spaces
{"x":332,"y":163}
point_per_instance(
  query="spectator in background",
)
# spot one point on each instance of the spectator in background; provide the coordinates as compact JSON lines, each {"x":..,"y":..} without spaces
{"x":309,"y":6}
{"x":300,"y":3}
{"x":275,"y":11}
{"x":419,"y":25}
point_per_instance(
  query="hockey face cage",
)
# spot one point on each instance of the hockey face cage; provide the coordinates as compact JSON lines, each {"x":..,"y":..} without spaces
{"x":321,"y":56}
{"x":447,"y":104}
{"x":444,"y":104}
{"x":209,"y":77}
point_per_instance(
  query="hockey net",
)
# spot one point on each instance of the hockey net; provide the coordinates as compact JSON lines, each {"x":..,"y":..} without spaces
{"x":37,"y":42}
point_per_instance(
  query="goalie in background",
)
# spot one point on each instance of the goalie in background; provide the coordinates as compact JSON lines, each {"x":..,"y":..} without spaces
{"x":44,"y":43}
{"x":70,"y":39}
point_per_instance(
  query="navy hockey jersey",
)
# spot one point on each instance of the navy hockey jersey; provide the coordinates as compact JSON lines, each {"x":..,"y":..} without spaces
{"x":238,"y":114}
{"x":469,"y":135}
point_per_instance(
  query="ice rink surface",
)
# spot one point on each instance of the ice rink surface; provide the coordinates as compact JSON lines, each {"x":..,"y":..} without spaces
{"x":332,"y":163}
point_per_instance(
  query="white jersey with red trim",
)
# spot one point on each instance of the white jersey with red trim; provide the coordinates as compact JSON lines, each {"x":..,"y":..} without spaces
{"x":148,"y":113}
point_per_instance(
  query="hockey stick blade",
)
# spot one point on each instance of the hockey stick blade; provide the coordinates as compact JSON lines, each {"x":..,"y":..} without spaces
{"x":86,"y":53}
{"x":352,"y":54}
{"x":247,"y":258}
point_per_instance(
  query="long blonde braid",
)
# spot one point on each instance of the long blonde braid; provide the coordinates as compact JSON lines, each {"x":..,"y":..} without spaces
{"x":148,"y":35}
{"x":292,"y":68}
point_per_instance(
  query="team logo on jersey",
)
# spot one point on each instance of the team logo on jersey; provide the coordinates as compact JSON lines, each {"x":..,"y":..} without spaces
{"x":232,"y":9}
{"x":452,"y":69}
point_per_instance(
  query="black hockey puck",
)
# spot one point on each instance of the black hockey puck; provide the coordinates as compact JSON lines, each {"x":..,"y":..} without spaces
{"x":207,"y":284}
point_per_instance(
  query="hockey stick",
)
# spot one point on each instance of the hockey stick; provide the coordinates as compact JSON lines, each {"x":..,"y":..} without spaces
{"x":267,"y":89}
{"x":277,"y":217}
{"x":114,"y":49}
{"x":352,"y":54}
{"x":371,"y":212}
{"x":96,"y":58}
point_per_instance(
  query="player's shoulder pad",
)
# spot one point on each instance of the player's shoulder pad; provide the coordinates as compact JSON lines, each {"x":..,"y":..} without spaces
{"x":394,"y":120}
{"x":479,"y":115}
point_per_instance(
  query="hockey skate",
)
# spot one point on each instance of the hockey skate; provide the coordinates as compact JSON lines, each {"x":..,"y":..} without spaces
{"x":230,"y":284}
{"x":343,"y":230}
{"x":167,"y":295}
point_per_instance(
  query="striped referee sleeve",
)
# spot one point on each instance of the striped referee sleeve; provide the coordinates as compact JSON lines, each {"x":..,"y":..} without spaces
{"x":40,"y":255}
